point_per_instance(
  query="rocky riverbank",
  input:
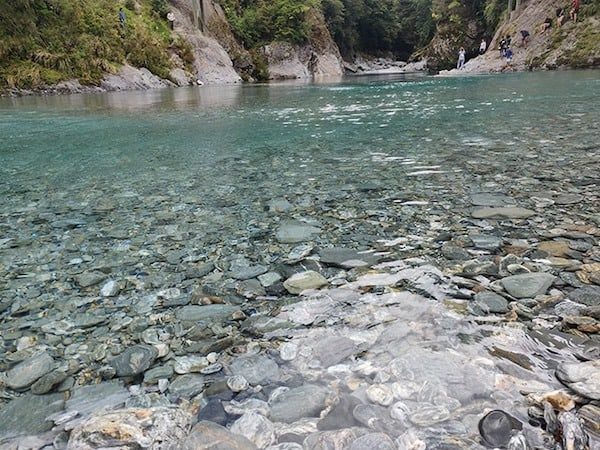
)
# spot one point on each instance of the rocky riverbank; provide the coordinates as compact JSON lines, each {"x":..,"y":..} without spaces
{"x":137,"y":319}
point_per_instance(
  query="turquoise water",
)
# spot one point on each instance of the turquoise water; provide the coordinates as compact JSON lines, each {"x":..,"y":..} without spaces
{"x":200,"y":132}
{"x":144,"y":185}
{"x":268,"y":141}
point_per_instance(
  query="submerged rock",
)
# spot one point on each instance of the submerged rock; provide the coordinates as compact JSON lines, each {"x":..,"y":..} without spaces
{"x":496,"y":428}
{"x":27,"y":372}
{"x":304,"y":280}
{"x":134,"y":360}
{"x":131,"y":428}
{"x":527,"y":285}
{"x":211,"y":436}
{"x":304,"y":401}
{"x":506,"y":212}
{"x":583,"y":378}
{"x":25,"y":416}
{"x":293,"y":232}
{"x":256,"y":369}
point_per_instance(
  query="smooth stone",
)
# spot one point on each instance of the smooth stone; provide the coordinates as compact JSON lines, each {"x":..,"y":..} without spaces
{"x":375,"y":417}
{"x":46,"y":383}
{"x":134,"y":360}
{"x":554,"y":248}
{"x":583,"y":378}
{"x":569,"y":308}
{"x":256,"y":369}
{"x":340,"y":416}
{"x":88,"y":279}
{"x":30,"y":370}
{"x":269,"y":279}
{"x":237,"y":383}
{"x":252,"y":404}
{"x":486,"y":242}
{"x":331,"y":440}
{"x":187,"y":364}
{"x":491,"y":199}
{"x":590,"y":415}
{"x":158,"y":373}
{"x":527,"y":285}
{"x":27,"y":415}
{"x":496,"y":428}
{"x":213,"y":411}
{"x":455,"y":253}
{"x":429,"y":415}
{"x":346,"y":258}
{"x":568,"y":199}
{"x":505,"y":212}
{"x":573,"y":434}
{"x":187,"y":386}
{"x":288,"y":351}
{"x":279,"y":205}
{"x":200,"y":270}
{"x":206,"y":313}
{"x":304,"y":280}
{"x":373,"y":441}
{"x":96,"y":397}
{"x":250,"y":289}
{"x":211,"y":436}
{"x":588,"y":295}
{"x":245,"y":273}
{"x":304,"y":401}
{"x":380,"y":394}
{"x":109,"y":289}
{"x":489,"y":302}
{"x":256,"y":428}
{"x":293,"y":232}
{"x":132,"y":428}
{"x":333,"y":350}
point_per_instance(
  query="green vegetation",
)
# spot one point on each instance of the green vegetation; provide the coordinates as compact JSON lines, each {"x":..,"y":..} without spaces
{"x":259,"y":22}
{"x":395,"y":27}
{"x":46,"y":41}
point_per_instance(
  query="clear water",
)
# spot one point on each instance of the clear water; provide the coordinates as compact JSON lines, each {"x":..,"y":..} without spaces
{"x":194,"y":170}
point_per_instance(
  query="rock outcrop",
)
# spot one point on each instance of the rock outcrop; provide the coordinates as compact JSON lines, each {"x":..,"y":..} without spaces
{"x":207,"y":36}
{"x":319,"y":57}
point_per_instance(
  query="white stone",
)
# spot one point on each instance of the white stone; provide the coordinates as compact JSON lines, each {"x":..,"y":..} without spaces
{"x":380,"y":394}
{"x":288,"y":351}
{"x":110,"y":289}
{"x":256,"y":428}
{"x":237,"y":383}
{"x":188,"y":364}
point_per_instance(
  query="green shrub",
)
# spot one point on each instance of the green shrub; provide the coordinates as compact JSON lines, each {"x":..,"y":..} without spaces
{"x":46,"y":41}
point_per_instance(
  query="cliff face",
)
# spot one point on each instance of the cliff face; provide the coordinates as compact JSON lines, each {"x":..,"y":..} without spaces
{"x":319,"y":57}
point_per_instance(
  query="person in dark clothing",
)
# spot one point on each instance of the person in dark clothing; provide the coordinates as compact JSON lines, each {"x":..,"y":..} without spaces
{"x":524,"y":38}
{"x":546,"y":24}
{"x":122,"y":17}
{"x":502,"y":47}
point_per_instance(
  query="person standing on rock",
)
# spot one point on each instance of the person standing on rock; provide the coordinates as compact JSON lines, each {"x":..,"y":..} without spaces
{"x":122,"y":18}
{"x":461,"y":58}
{"x":482,"y":47}
{"x":574,"y":10}
{"x":502,"y":47}
{"x":171,"y":20}
{"x":560,"y":16}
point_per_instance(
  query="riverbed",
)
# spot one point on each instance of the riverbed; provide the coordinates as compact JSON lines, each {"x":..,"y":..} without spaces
{"x":373,"y":263}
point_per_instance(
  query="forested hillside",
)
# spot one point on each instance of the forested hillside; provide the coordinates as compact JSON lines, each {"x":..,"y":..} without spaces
{"x":46,"y":41}
{"x":43,"y":42}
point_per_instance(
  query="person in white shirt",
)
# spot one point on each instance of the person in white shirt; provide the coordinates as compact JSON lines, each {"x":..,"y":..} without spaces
{"x":461,"y":58}
{"x":482,"y":47}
